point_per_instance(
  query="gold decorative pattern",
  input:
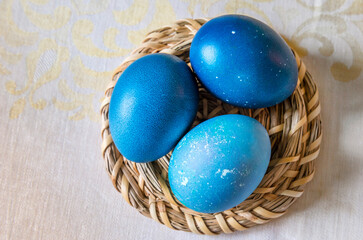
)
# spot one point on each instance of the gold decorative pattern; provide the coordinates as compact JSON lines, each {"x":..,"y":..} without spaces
{"x":85,"y":7}
{"x":36,"y":77}
{"x":205,"y":5}
{"x":80,"y":31}
{"x":82,"y":104}
{"x":236,"y":6}
{"x":164,"y":14}
{"x":9,"y":31}
{"x":137,"y":10}
{"x":57,"y":19}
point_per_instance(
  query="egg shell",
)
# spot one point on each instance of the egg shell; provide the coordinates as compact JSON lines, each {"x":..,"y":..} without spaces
{"x":219,"y":163}
{"x":244,"y":62}
{"x":153,"y":104}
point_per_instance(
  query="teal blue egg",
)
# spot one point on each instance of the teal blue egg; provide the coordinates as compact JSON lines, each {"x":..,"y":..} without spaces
{"x":152,"y":105}
{"x":243,"y":62}
{"x":219,"y":163}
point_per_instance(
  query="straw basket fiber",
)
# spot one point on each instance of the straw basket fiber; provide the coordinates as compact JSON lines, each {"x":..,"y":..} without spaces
{"x":295,"y":131}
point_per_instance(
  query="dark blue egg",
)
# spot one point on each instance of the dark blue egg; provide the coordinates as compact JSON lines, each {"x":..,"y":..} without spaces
{"x":219,"y":163}
{"x":244,"y":62}
{"x":152,"y":105}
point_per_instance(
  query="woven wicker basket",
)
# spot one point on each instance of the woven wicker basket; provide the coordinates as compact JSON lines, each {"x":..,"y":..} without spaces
{"x":295,"y":131}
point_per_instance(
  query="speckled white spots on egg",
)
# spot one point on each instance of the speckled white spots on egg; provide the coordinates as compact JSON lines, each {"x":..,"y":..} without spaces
{"x":245,"y":171}
{"x":184,"y":182}
{"x":226,"y":171}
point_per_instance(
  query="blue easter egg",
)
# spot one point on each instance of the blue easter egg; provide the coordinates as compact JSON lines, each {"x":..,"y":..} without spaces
{"x":219,"y":163}
{"x":152,"y":105}
{"x":243,"y":62}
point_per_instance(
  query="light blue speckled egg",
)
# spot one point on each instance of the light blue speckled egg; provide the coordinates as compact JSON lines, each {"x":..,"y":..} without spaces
{"x":243,"y":62}
{"x":152,"y":105}
{"x":219,"y":163}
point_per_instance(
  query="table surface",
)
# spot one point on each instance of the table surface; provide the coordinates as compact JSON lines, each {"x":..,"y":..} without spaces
{"x":56,"y":58}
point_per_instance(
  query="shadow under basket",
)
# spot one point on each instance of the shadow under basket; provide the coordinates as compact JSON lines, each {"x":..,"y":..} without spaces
{"x":295,"y":131}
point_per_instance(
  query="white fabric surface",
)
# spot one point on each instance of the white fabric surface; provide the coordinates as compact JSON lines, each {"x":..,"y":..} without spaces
{"x":60,"y":55}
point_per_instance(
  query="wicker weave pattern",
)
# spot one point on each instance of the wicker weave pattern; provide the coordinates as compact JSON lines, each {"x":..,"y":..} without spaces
{"x":295,"y":131}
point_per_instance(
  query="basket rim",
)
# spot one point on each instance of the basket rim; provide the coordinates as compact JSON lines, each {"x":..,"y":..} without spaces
{"x":295,"y":123}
